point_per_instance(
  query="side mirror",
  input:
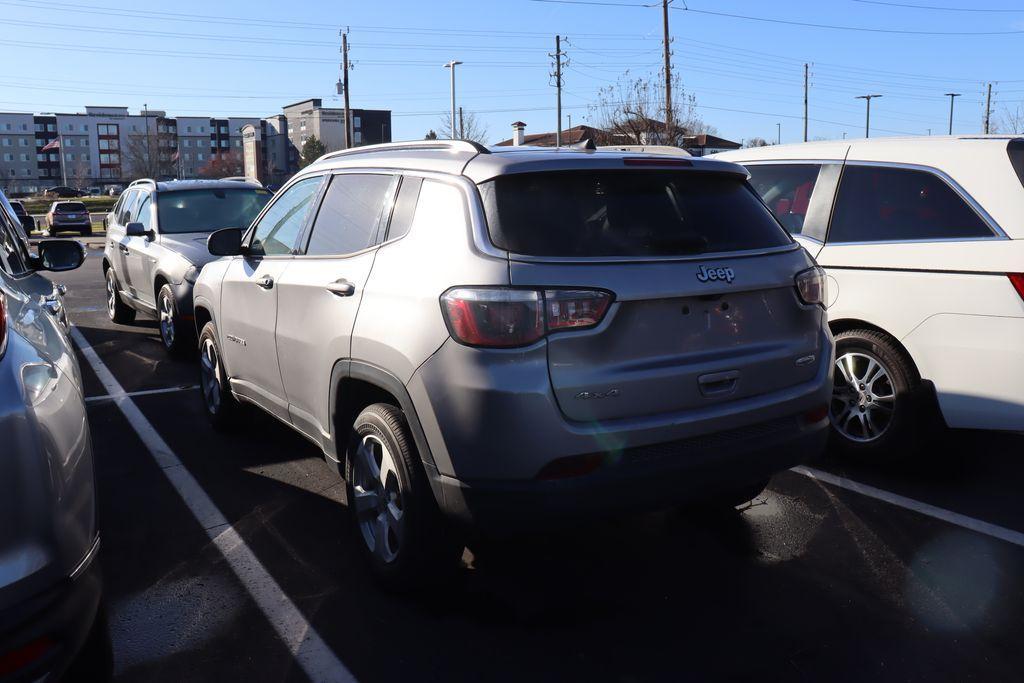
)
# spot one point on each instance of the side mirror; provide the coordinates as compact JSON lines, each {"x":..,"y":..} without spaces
{"x":225,"y":242}
{"x":137,"y":230}
{"x":59,"y":255}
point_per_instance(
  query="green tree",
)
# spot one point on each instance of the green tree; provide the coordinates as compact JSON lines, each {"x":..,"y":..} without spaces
{"x":431,"y":135}
{"x":312,"y":149}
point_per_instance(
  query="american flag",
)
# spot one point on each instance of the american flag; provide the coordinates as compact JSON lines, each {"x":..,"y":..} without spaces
{"x":52,"y":144}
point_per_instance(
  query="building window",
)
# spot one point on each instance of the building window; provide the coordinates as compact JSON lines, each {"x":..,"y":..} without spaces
{"x":54,"y":157}
{"x":23,"y":157}
{"x":28,"y":172}
{"x":70,"y":127}
{"x":22,"y":142}
{"x":202,"y":129}
{"x":8,"y":157}
{"x":225,"y":143}
{"x":39,"y":128}
{"x":71,"y":142}
{"x":199,"y":156}
{"x":6,"y":142}
{"x":85,"y":127}
{"x":188,"y":129}
{"x":187,"y":156}
{"x":51,"y":127}
{"x":40,"y":157}
{"x":69,"y":156}
{"x":7,"y":126}
{"x":85,"y":157}
{"x":40,"y":142}
{"x":213,"y":143}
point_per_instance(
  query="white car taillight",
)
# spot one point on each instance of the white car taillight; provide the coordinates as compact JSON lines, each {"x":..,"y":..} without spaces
{"x":503,"y":317}
{"x":811,"y":286}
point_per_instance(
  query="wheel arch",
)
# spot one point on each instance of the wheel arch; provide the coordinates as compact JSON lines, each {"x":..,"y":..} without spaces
{"x":847,"y":324}
{"x":355,"y":385}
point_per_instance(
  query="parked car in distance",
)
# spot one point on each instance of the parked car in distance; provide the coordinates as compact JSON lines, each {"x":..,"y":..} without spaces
{"x":63,"y":191}
{"x":114,"y":190}
{"x":51,"y":617}
{"x":923,"y":242}
{"x":94,"y":191}
{"x":28,"y":223}
{"x":156,"y":246}
{"x":68,"y":216}
{"x":515,"y":336}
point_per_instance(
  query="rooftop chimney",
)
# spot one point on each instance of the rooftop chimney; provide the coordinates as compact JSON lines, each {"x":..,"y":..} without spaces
{"x":518,"y":133}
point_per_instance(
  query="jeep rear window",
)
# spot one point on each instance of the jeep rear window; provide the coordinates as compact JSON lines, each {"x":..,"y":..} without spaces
{"x":627,"y":213}
{"x":70,"y":207}
{"x":208,"y":210}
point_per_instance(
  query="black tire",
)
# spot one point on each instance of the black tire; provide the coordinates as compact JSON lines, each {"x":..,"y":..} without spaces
{"x":176,"y":334}
{"x":220,"y":404}
{"x":117,"y":310}
{"x":420,"y":547}
{"x":888,"y":429}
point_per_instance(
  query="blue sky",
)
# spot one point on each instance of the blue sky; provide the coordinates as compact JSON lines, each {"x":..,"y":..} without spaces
{"x":250,"y":58}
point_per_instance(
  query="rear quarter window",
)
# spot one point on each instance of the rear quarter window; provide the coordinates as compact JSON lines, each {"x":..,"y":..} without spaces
{"x":627,"y":214}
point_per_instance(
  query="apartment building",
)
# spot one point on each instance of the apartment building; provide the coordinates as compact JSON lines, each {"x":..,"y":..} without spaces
{"x":108,"y":145}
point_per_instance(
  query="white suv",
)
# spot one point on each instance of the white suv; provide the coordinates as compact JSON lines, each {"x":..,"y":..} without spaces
{"x":923,"y":242}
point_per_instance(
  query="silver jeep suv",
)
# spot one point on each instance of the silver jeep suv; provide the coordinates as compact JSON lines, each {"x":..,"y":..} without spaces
{"x":500,"y":336}
{"x":156,"y":246}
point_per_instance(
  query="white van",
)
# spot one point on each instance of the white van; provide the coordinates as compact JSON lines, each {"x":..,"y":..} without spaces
{"x":923,"y":242}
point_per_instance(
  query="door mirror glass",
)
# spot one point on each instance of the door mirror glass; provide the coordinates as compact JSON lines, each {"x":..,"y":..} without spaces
{"x":60,"y":255}
{"x":225,"y":242}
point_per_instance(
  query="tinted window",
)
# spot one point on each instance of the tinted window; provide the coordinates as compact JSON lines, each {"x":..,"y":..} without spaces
{"x":127,"y":208}
{"x":405,"y":207}
{"x":279,"y":228}
{"x":880,"y":203}
{"x":70,"y":207}
{"x":10,"y":254}
{"x":349,"y":215}
{"x":209,"y":210}
{"x":626,"y":213}
{"x":440,"y":206}
{"x":786,"y":189}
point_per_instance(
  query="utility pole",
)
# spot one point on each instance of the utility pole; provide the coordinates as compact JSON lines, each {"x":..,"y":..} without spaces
{"x":806,"y":70}
{"x":149,"y":149}
{"x":867,"y":120}
{"x":668,"y":75}
{"x":952,"y":96}
{"x":988,"y":108}
{"x":778,"y":135}
{"x":451,"y":65}
{"x":462,"y":125}
{"x":344,"y":88}
{"x":558,"y":89}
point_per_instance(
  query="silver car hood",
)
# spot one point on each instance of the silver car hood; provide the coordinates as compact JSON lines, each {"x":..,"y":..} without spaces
{"x":190,"y":245}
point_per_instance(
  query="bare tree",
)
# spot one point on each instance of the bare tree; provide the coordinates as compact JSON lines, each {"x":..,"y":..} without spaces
{"x":223,"y":165}
{"x":431,"y":135}
{"x":1009,"y":121}
{"x":78,"y":170}
{"x":757,"y":142}
{"x":469,"y":128}
{"x":632,"y":111}
{"x":148,"y":155}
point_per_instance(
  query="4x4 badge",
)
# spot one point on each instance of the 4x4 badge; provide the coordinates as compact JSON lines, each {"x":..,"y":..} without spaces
{"x":705,"y":274}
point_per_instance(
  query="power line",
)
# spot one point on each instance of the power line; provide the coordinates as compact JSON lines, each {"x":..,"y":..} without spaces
{"x":936,"y":7}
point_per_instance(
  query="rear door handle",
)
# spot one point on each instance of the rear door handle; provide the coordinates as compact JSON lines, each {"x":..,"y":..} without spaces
{"x":266,"y":282}
{"x":718,"y":383}
{"x":341,"y":287}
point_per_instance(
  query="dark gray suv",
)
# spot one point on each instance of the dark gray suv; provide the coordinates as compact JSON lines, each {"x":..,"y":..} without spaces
{"x":156,"y":246}
{"x":505,"y":336}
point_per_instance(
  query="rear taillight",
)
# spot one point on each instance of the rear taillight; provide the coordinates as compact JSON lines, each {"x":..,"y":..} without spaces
{"x":811,"y":286}
{"x":1017,"y":280}
{"x":502,"y":317}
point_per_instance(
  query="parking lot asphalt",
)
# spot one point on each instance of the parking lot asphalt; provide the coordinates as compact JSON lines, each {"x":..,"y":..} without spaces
{"x":810,"y":582}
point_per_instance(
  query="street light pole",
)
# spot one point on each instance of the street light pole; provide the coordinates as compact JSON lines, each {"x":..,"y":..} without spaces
{"x":451,"y":65}
{"x":867,"y":120}
{"x":778,"y":134}
{"x":952,"y":96}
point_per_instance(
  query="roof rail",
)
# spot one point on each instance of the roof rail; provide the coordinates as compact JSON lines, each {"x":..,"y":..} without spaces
{"x":415,"y":145}
{"x":142,"y":181}
{"x":241,"y":179}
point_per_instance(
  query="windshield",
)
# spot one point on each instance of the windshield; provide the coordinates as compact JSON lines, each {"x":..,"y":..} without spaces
{"x":627,"y":213}
{"x":209,"y":210}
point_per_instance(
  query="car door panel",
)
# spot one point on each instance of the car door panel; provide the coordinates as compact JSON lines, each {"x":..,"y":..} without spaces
{"x":249,"y":296}
{"x":321,"y":294}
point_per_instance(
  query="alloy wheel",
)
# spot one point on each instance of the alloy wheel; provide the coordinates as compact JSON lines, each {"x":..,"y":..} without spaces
{"x":209,"y":375}
{"x":378,"y":499}
{"x":863,"y":397}
{"x":167,"y":321}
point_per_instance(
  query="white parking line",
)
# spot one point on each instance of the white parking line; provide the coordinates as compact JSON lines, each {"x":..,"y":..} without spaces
{"x":310,"y":651}
{"x":977,"y":525}
{"x":144,"y":392}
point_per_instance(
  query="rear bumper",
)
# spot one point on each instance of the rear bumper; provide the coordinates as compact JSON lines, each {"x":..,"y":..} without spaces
{"x":53,"y":625}
{"x":637,"y":479}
